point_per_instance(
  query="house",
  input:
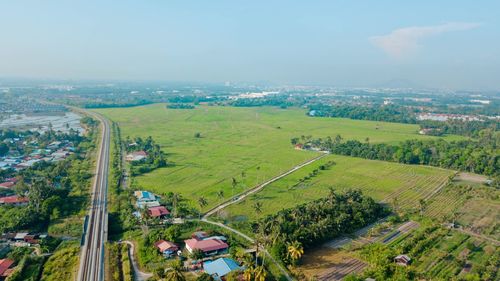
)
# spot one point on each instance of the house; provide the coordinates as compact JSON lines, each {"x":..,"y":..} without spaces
{"x":207,"y":246}
{"x":158,"y":212}
{"x":31,"y":239}
{"x":144,"y":196}
{"x":7,"y":184}
{"x":402,"y":260}
{"x":299,"y":146}
{"x":54,"y":145}
{"x":220,"y":267}
{"x":136,"y":156}
{"x":14,"y":200}
{"x":147,"y":204}
{"x":199,"y":235}
{"x":20,"y":236}
{"x":167,"y":248}
{"x":5,"y":264}
{"x":146,"y":199}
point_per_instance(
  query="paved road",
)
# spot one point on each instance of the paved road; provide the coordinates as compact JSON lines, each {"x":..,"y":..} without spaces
{"x":259,"y":187}
{"x":92,"y":254}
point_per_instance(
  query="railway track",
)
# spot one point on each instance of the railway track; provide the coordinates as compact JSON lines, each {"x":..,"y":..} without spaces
{"x":96,"y":224}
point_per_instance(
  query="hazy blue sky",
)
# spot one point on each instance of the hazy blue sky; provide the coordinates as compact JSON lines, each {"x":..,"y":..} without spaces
{"x":446,"y":44}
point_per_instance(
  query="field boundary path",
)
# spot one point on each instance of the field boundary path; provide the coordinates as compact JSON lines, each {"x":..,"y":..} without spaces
{"x":239,"y":197}
{"x":243,"y":195}
{"x":138,"y":274}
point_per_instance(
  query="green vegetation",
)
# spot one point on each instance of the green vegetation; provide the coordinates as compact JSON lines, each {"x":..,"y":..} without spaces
{"x":120,"y":208}
{"x":436,"y":253}
{"x":248,"y":144}
{"x":387,"y":113}
{"x":476,"y":156}
{"x":29,"y":269}
{"x":306,"y":225}
{"x":62,"y":265}
{"x":118,"y":262}
{"x":475,"y":208}
{"x":181,"y":106}
{"x":378,"y":179}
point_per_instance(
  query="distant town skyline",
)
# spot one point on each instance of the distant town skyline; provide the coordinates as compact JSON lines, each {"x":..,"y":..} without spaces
{"x":431,"y":44}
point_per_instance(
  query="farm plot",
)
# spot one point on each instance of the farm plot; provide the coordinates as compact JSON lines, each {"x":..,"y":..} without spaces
{"x":378,"y":179}
{"x":341,"y":270}
{"x":472,"y":207}
{"x":211,"y":145}
{"x":443,"y":254}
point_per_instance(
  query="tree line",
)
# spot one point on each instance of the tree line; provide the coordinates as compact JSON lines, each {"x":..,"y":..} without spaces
{"x":403,"y":114}
{"x":480,"y":155}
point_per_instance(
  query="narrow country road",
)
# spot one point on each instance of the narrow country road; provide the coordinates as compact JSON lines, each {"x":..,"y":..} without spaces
{"x":239,"y":197}
{"x":96,"y":224}
{"x":280,"y":267}
{"x":138,"y":274}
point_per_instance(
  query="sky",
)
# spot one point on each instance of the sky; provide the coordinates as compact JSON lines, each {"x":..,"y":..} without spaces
{"x":440,"y":44}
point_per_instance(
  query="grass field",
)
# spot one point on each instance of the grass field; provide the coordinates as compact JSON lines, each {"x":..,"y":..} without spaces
{"x":255,"y":141}
{"x":377,"y":179}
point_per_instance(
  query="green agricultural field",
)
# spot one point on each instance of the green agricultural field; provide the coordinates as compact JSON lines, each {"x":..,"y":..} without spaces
{"x":380,"y":180}
{"x":249,"y":144}
{"x":474,"y":207}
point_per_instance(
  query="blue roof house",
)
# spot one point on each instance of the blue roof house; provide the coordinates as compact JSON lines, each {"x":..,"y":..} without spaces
{"x":220,"y":267}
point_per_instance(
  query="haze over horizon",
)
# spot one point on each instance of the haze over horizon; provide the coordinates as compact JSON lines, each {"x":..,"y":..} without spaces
{"x":445,"y":44}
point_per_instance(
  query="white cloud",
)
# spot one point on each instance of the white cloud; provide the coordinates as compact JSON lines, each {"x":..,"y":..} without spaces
{"x":404,"y":41}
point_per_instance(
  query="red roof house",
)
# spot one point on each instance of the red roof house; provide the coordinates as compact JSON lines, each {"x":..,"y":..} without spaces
{"x":166,"y":247}
{"x":158,"y":212}
{"x":14,"y":200}
{"x":207,"y":246}
{"x":4,"y":266}
{"x":403,"y":260}
{"x":7,"y":184}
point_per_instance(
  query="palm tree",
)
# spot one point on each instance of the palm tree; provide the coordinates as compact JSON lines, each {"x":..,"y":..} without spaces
{"x":422,"y":205}
{"x":220,"y":194}
{"x":248,"y":274}
{"x":260,"y":273}
{"x":295,"y":250}
{"x":202,"y":202}
{"x":234,"y":183}
{"x":174,"y":274}
{"x":257,"y":206}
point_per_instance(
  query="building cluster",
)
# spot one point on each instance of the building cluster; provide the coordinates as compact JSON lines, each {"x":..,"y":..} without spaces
{"x":54,"y":152}
{"x":148,"y":200}
{"x":210,"y":247}
{"x":29,"y":106}
{"x":445,"y":117}
{"x":13,"y":239}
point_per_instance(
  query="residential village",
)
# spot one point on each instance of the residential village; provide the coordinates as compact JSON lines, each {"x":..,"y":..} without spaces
{"x":24,"y":152}
{"x":202,"y":253}
{"x":42,"y":175}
